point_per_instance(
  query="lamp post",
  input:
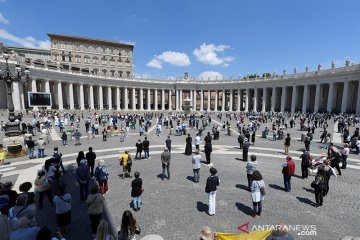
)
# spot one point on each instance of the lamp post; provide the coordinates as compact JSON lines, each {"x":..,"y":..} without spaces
{"x":12,"y":128}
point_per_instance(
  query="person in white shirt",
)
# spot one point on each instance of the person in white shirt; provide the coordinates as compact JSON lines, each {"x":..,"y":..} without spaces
{"x":196,"y":164}
{"x":197,"y":142}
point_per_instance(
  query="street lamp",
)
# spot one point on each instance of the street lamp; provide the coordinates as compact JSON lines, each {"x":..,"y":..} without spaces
{"x":12,"y":128}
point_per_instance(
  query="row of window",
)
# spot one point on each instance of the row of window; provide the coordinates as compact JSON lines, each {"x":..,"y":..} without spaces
{"x":111,"y":73}
{"x":95,"y":60}
{"x":85,"y":48}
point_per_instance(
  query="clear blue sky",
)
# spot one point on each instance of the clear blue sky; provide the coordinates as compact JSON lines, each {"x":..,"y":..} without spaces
{"x":171,"y":37}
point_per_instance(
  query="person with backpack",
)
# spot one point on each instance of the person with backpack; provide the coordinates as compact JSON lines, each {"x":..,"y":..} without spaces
{"x":62,"y":203}
{"x":57,"y":160}
{"x":30,"y":145}
{"x":288,"y":170}
{"x":90,"y":158}
{"x":41,"y":147}
{"x":43,"y":187}
{"x":257,"y":192}
{"x":319,"y":185}
{"x":101,"y":176}
{"x":212,"y":183}
{"x":77,"y":136}
{"x":287,"y":143}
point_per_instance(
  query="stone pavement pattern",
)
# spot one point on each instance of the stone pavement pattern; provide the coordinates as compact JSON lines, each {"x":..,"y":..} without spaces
{"x":176,"y":208}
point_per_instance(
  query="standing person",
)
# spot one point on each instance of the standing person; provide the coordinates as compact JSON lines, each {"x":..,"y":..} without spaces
{"x":319,"y":186}
{"x":3,"y":153}
{"x":64,"y":138}
{"x":146,"y":145}
{"x":77,"y":136}
{"x":126,"y":163}
{"x":246,"y":147}
{"x":253,"y":138}
{"x":250,"y":168}
{"x":241,"y":140}
{"x":335,"y":158}
{"x":104,"y":135}
{"x":103,"y":232}
{"x":287,"y":143}
{"x":197,"y":142}
{"x":62,"y":203}
{"x":7,"y":198}
{"x":212,"y":183}
{"x":136,"y":191}
{"x":57,"y":160}
{"x":288,"y":171}
{"x":165,"y":162}
{"x":81,"y":156}
{"x":208,"y":138}
{"x":95,"y":207}
{"x":208,"y":150}
{"x":305,"y":162}
{"x":139,"y":148}
{"x":83,"y":177}
{"x":43,"y":187}
{"x":344,"y":155}
{"x":41,"y":147}
{"x":129,"y":227}
{"x":257,"y":193}
{"x":101,"y":176}
{"x":188,"y":147}
{"x":31,"y":145}
{"x":196,"y":165}
{"x":90,"y":158}
{"x":168,"y":143}
{"x":5,"y":227}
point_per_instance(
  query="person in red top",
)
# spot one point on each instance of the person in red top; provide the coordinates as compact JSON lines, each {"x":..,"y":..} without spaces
{"x":288,"y":170}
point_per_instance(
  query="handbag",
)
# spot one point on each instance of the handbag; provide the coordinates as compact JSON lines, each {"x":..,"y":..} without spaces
{"x":314,"y":184}
{"x":121,"y":162}
{"x":262,"y":190}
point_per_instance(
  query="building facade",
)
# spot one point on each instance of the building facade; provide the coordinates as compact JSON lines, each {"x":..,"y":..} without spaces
{"x":331,"y":90}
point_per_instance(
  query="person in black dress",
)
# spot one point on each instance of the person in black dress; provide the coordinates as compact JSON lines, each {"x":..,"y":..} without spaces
{"x":188,"y":148}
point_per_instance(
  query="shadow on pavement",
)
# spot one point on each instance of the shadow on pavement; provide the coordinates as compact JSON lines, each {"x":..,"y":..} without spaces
{"x":309,"y":190}
{"x":277,"y":187}
{"x":190,"y":178}
{"x":305,"y":200}
{"x":242,"y":186}
{"x":201,"y":207}
{"x":245,"y":209}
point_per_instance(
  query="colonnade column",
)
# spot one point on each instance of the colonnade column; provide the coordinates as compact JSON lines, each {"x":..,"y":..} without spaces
{"x":273,"y":99}
{"x":317,"y":98}
{"x":91,"y":96}
{"x":283,"y":99}
{"x":100,"y":95}
{"x":169,"y":101}
{"x":34,"y":89}
{"x":264,"y":98}
{"x":82,"y":102}
{"x":60,"y":96}
{"x":209,"y":100}
{"x":231,"y":100}
{"x":194,"y":99}
{"x":177,"y":100}
{"x":345,"y":96}
{"x":133,"y":101}
{"x":71,"y":95}
{"x":255,"y":100}
{"x":180,"y":99}
{"x":156,"y":99}
{"x":247,"y":100}
{"x":293,"y":99}
{"x":162,"y":99}
{"x":305,"y":96}
{"x":358,"y":100}
{"x":148,"y":100}
{"x":216,"y":100}
{"x":141,"y":99}
{"x":118,"y":106}
{"x":201,"y":100}
{"x":223,"y":100}
{"x":329,"y":106}
{"x":238,"y":100}
{"x":16,"y":96}
{"x":126,"y":102}
{"x":109,"y":98}
{"x":47,"y":90}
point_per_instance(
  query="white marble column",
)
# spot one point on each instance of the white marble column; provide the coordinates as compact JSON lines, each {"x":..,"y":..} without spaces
{"x":317,"y":98}
{"x":255,"y":100}
{"x":216,"y":101}
{"x":180,"y":99}
{"x":194,"y":99}
{"x":148,"y":99}
{"x":169,"y":100}
{"x":223,"y":100}
{"x":60,"y":96}
{"x":209,"y":101}
{"x":305,"y":99}
{"x":273,"y":98}
{"x":109,"y":97}
{"x":264,"y":99}
{"x":47,"y":90}
{"x":247,"y":100}
{"x":201,"y":100}
{"x":156,"y":99}
{"x":293,"y":99}
{"x":133,"y":99}
{"x":141,"y":99}
{"x":283,"y":99}
{"x":91,"y":97}
{"x":101,"y":100}
{"x":329,"y":106}
{"x":16,"y":96}
{"x":81,"y":95}
{"x":118,"y":106}
{"x":238,"y":100}
{"x":177,"y":99}
{"x":162,"y":99}
{"x":358,"y":100}
{"x":345,"y":96}
{"x":231,"y":100}
{"x":126,"y":102}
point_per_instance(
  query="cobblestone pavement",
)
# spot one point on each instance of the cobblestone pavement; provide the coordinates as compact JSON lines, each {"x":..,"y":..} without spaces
{"x":176,"y":208}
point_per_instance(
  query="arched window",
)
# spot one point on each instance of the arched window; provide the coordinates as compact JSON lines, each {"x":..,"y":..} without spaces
{"x":104,"y":72}
{"x":96,"y":71}
{"x":112,"y":61}
{"x":104,"y":61}
{"x":120,"y":74}
{"x":112,"y":73}
{"x":78,"y":58}
{"x":86,"y":59}
{"x":128,"y":74}
{"x":95,"y":60}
